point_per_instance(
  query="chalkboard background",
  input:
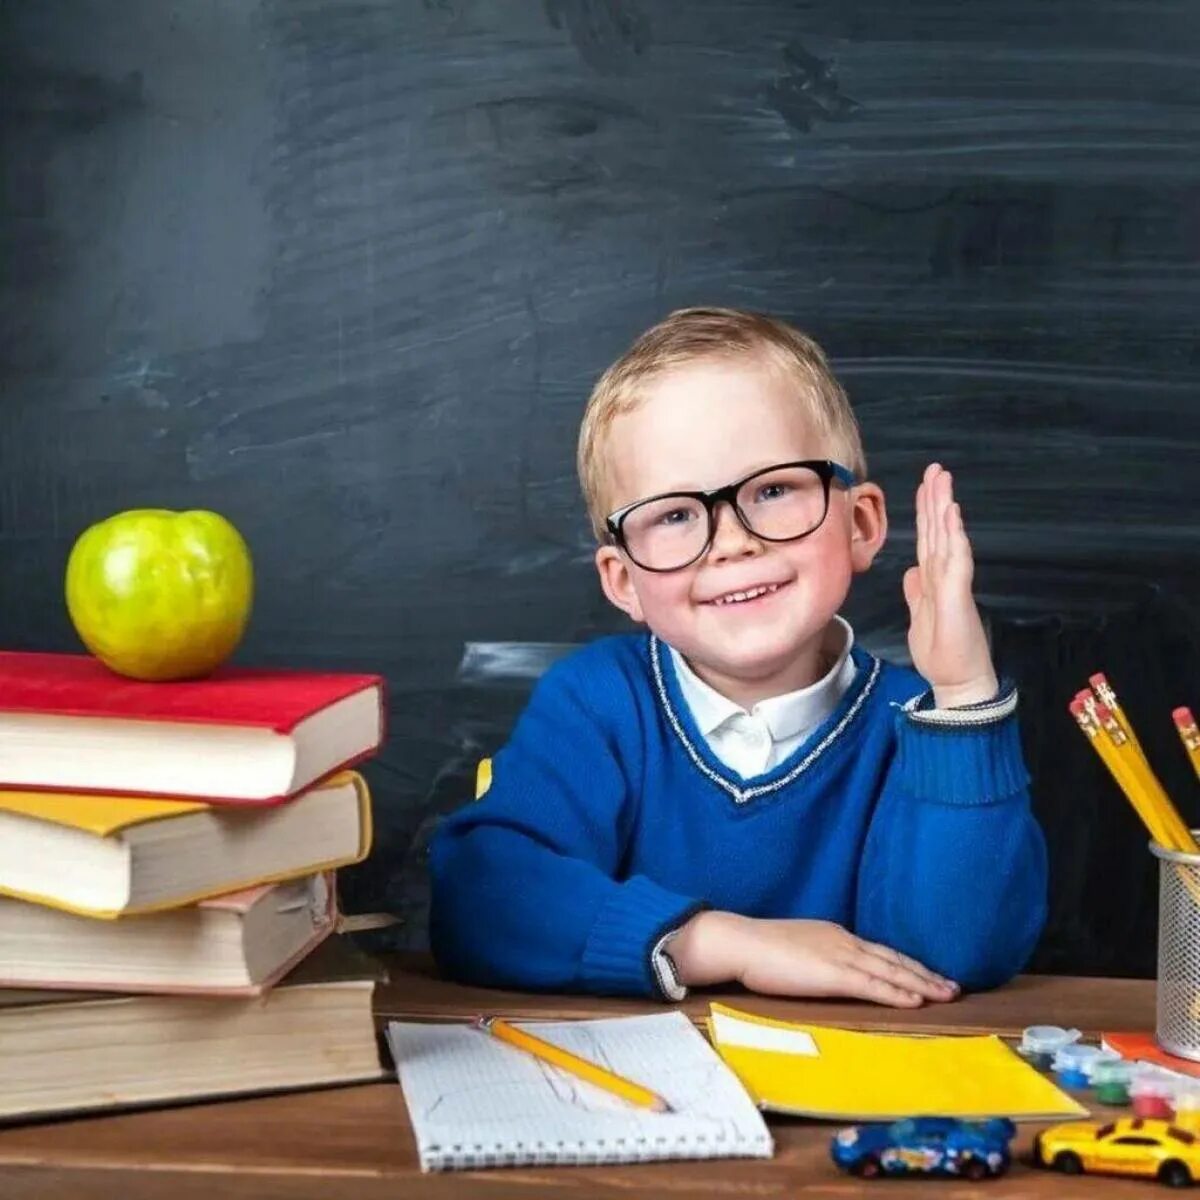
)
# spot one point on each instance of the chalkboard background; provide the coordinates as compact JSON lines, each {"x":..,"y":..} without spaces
{"x":345,"y":273}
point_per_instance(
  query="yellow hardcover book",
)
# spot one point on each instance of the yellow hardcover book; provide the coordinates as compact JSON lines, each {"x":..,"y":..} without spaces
{"x":840,"y":1074}
{"x":111,"y":856}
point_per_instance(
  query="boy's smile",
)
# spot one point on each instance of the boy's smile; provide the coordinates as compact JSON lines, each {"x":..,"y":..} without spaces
{"x":749,"y":615}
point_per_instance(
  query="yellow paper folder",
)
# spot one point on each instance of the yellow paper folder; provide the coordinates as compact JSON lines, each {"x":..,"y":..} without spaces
{"x":818,"y":1071}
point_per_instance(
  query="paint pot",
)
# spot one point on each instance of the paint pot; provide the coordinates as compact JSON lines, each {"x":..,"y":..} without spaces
{"x":1072,"y":1064}
{"x":1152,"y":1094}
{"x":1040,"y":1043}
{"x":1111,"y":1079}
{"x":1187,"y":1107}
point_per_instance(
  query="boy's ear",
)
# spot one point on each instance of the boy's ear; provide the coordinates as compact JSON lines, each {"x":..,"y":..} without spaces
{"x":868,"y":525}
{"x":617,"y":582}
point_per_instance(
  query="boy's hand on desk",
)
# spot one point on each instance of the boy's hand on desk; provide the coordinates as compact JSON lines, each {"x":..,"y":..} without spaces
{"x":800,"y":958}
{"x":946,"y":636}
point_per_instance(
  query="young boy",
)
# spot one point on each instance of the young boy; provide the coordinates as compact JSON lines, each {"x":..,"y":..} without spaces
{"x":742,"y":793}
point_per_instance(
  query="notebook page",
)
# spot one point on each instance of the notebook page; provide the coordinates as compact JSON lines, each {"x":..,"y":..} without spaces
{"x":475,"y":1101}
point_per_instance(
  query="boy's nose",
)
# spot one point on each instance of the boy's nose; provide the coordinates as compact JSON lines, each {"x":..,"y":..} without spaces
{"x":731,"y":539}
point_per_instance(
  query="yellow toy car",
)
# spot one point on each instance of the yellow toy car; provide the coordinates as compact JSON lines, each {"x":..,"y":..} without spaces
{"x":1131,"y":1146}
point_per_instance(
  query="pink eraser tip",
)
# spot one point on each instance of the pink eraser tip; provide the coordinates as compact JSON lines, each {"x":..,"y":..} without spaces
{"x":1076,"y":706}
{"x":1183,"y":716}
{"x":1098,"y":680}
{"x":1102,"y":710}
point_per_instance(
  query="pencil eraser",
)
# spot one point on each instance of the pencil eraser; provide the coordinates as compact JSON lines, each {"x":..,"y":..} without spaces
{"x":1183,"y":716}
{"x":1098,"y":680}
{"x":1076,"y":706}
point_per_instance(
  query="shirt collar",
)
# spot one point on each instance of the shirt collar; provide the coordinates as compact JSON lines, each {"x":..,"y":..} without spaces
{"x":785,"y":716}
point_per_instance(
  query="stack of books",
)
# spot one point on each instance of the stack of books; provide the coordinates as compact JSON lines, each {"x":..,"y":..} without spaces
{"x":167,"y":883}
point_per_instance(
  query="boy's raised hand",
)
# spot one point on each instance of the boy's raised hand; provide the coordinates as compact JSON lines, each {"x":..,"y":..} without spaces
{"x":946,"y":637}
{"x":800,"y":958}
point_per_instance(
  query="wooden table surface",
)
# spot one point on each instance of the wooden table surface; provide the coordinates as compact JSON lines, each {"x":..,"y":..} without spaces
{"x":356,"y":1142}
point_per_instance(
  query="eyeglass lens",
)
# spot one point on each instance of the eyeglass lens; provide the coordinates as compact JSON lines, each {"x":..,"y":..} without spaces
{"x":671,"y":531}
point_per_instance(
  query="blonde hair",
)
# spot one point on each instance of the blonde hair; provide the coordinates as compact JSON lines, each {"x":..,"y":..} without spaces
{"x":690,"y":334}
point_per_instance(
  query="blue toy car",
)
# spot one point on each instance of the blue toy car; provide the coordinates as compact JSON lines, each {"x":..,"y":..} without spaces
{"x":926,"y":1146}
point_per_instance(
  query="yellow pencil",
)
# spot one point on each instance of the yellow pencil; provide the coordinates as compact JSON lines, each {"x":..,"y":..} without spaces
{"x":1108,"y":697}
{"x":1189,"y":735}
{"x":1083,"y":709}
{"x":581,"y":1068}
{"x":1116,"y":724}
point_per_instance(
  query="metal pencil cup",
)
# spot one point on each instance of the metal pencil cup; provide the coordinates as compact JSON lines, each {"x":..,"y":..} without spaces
{"x":1177,"y":1027}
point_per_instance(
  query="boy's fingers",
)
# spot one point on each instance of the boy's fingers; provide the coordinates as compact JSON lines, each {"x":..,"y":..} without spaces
{"x":931,"y":474}
{"x":959,"y":543}
{"x":865,"y":986}
{"x":960,"y":561}
{"x":886,"y":952}
{"x":918,"y":968}
{"x":902,"y":976}
{"x":920,"y":510}
{"x":945,"y":497}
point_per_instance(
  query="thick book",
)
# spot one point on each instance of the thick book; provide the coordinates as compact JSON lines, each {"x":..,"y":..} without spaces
{"x":240,"y":735}
{"x":112,"y":856}
{"x":238,"y":944}
{"x":67,"y":1052}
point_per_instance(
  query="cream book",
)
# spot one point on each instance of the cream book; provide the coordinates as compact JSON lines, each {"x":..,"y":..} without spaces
{"x":478,"y":1102}
{"x":65,"y":1052}
{"x":840,"y":1074}
{"x":109,"y":856}
{"x":237,"y":944}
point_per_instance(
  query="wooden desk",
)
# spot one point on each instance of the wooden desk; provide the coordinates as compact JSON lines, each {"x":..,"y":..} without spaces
{"x":356,"y":1142}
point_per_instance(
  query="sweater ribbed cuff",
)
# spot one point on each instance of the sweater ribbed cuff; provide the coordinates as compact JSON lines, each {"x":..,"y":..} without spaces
{"x":619,"y":949}
{"x":961,"y":764}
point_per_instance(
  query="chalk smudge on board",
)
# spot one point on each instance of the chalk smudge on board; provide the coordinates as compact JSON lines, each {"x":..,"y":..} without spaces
{"x":508,"y":662}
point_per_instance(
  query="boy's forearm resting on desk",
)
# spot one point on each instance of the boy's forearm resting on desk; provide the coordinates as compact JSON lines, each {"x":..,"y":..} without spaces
{"x":509,"y":911}
{"x":952,"y":885}
{"x":799,"y":958}
{"x":524,"y":892}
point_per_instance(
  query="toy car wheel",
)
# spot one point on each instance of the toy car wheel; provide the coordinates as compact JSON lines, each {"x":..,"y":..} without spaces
{"x":974,"y":1169}
{"x":866,"y":1167}
{"x":1068,"y":1163}
{"x":1174,"y":1174}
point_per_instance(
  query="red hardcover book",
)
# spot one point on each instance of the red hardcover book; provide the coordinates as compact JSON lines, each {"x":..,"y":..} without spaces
{"x":241,"y":735}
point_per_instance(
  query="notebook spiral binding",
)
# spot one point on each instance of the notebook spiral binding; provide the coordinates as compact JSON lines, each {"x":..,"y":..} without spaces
{"x":595,"y":1152}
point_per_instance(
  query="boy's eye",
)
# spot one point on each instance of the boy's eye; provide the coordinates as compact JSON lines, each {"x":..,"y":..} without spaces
{"x":675,"y":516}
{"x":772,"y":491}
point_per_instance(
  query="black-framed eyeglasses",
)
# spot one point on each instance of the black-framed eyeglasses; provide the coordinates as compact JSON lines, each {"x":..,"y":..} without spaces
{"x":782,"y":503}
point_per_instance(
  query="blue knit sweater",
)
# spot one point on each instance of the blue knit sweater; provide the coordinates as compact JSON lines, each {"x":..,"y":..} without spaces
{"x":610,"y":822}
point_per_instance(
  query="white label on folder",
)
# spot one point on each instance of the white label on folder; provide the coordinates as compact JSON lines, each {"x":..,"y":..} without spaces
{"x":729,"y":1031}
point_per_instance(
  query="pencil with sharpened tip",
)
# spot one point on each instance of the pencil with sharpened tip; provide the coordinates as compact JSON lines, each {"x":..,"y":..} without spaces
{"x":581,"y":1068}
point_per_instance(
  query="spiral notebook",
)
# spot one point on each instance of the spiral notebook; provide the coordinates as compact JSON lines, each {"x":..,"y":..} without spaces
{"x":476,"y":1102}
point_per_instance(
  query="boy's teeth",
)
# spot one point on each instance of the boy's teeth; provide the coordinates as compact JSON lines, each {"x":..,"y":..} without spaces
{"x":752,"y":594}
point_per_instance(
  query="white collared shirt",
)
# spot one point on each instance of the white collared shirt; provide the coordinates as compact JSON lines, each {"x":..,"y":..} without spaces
{"x":755,"y":740}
